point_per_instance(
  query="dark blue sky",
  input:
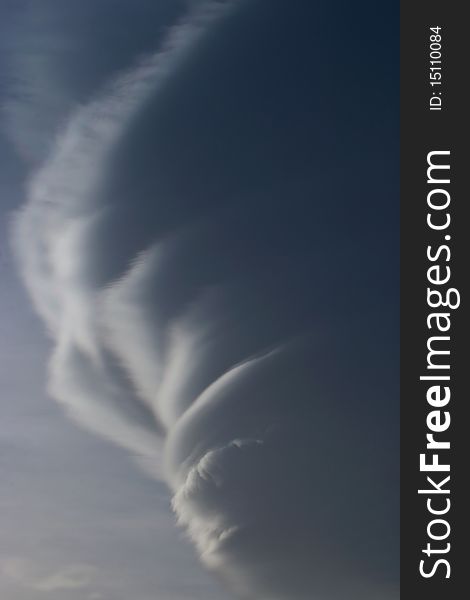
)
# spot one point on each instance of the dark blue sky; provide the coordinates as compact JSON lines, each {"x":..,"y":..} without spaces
{"x":210,"y":232}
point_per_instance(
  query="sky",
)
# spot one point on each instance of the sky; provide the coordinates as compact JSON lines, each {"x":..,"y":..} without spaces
{"x":199,"y":300}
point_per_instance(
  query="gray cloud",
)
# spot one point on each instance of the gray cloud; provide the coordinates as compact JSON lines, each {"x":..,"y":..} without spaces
{"x":27,"y":574}
{"x":204,"y":317}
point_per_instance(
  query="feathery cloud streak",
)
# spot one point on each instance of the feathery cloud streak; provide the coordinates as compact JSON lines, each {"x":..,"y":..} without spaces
{"x":205,"y":317}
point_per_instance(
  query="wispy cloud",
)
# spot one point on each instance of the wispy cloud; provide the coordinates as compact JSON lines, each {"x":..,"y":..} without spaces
{"x":52,"y":232}
{"x":183,"y":333}
{"x":27,"y":573}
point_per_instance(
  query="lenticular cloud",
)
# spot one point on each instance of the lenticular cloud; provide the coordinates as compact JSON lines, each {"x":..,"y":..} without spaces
{"x":203,"y":325}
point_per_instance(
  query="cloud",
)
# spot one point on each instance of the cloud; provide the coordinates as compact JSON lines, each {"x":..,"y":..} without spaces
{"x":28,"y":574}
{"x":51,"y":238}
{"x":221,"y":295}
{"x":72,"y":578}
{"x":60,"y":52}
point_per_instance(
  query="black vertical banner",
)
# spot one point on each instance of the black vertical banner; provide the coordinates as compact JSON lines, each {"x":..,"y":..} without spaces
{"x":435,"y":248}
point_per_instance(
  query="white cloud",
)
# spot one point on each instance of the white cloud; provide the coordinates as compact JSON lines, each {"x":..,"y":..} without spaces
{"x":27,"y":573}
{"x":52,"y":233}
{"x":186,"y":358}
